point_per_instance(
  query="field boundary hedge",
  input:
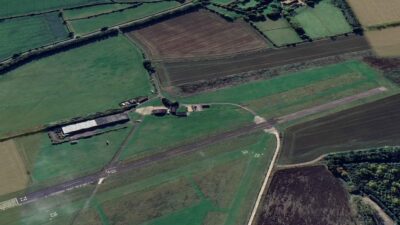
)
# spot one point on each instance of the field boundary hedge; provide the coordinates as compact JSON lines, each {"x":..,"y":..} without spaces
{"x":44,"y":51}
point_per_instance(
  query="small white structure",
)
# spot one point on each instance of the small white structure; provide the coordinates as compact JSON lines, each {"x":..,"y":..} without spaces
{"x":79,"y":126}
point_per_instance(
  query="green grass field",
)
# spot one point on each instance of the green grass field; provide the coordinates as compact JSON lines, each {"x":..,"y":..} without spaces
{"x":21,"y":34}
{"x":92,"y":10}
{"x":160,"y":133}
{"x":292,"y":92}
{"x":81,"y":81}
{"x":323,"y":20}
{"x":62,"y":162}
{"x":10,"y":8}
{"x":222,"y":2}
{"x":217,"y":186}
{"x":147,"y":9}
{"x":279,"y":32}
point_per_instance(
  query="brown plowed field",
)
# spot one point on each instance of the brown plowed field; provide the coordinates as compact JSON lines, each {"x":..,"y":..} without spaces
{"x":371,"y":125}
{"x":305,"y":196}
{"x":197,"y":34}
{"x":173,"y":73}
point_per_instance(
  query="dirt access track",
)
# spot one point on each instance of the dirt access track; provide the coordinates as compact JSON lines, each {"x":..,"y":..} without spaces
{"x":196,"y":34}
{"x":176,"y":73}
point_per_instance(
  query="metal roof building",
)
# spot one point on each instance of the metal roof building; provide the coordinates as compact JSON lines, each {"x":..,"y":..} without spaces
{"x":79,"y":126}
{"x":98,"y":122}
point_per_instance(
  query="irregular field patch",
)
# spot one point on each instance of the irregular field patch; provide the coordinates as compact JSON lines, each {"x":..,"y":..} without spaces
{"x":10,"y":8}
{"x":21,"y":34}
{"x":292,"y":92}
{"x":308,"y":195}
{"x":369,"y":125}
{"x":323,"y":20}
{"x":83,"y":26}
{"x":371,"y":12}
{"x":89,"y":79}
{"x":279,"y":32}
{"x":198,"y":34}
{"x":146,"y":204}
{"x":12,"y":169}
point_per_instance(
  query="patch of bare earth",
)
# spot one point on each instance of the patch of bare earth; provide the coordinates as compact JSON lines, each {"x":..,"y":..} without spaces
{"x":305,"y":196}
{"x":198,"y":34}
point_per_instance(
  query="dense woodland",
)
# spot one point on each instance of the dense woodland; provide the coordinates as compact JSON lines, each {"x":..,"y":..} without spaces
{"x":374,"y":172}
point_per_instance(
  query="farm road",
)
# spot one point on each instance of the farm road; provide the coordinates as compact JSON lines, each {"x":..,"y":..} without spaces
{"x":187,"y":148}
{"x":187,"y":71}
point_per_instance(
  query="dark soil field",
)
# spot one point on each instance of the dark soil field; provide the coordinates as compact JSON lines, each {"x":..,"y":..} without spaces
{"x":197,"y":34}
{"x":371,"y":125}
{"x":174,"y":73}
{"x":305,"y":196}
{"x":389,"y":66}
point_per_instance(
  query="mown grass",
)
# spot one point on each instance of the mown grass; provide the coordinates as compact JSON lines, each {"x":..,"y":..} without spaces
{"x":194,"y":184}
{"x":10,"y":8}
{"x":65,"y":205}
{"x":65,"y":161}
{"x":279,"y":32}
{"x":147,"y":9}
{"x":160,"y":133}
{"x":181,"y":190}
{"x":21,"y":34}
{"x":292,"y":92}
{"x":92,"y":10}
{"x":323,"y":20}
{"x":81,"y":81}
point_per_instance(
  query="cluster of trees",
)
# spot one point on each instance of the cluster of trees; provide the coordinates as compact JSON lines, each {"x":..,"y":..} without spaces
{"x":366,"y":214}
{"x":374,"y":172}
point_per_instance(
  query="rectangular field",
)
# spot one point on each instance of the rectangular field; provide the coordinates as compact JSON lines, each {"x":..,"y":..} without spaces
{"x":11,"y":8}
{"x":12,"y":172}
{"x":370,"y":125}
{"x":296,"y":91}
{"x":198,"y":34}
{"x":308,"y":195}
{"x":372,"y":12}
{"x":92,"y":10}
{"x":279,"y":32}
{"x":83,"y":26}
{"x":80,"y":81}
{"x":323,"y":20}
{"x":21,"y":34}
{"x":186,"y":72}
